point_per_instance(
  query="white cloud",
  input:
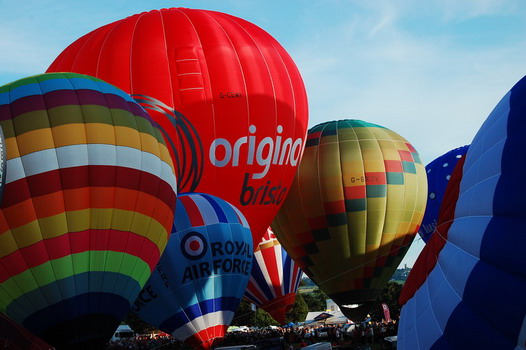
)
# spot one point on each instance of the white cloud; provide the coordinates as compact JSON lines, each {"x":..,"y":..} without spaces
{"x":448,"y":10}
{"x":457,"y":10}
{"x":432,"y":91}
{"x":384,"y":22}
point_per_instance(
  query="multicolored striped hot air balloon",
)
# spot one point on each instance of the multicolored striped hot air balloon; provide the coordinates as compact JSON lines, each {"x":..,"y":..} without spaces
{"x":471,"y":291}
{"x":201,"y":277}
{"x":275,"y":278}
{"x":354,"y":208}
{"x":88,"y":205}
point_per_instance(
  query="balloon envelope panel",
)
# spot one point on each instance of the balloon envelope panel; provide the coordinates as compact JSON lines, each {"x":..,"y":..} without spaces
{"x":227,"y":95}
{"x":275,"y":278}
{"x":354,"y":208}
{"x":87,"y":208}
{"x":438,"y":175}
{"x":478,"y":283}
{"x":202,"y":275}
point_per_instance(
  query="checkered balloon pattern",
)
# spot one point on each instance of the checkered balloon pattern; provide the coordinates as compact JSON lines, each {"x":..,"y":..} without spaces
{"x":354,"y":207}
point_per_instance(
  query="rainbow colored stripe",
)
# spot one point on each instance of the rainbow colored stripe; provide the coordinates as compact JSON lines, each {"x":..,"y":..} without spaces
{"x":88,"y":204}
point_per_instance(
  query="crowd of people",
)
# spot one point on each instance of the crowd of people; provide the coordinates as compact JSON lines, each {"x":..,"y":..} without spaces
{"x":145,"y":343}
{"x":300,"y":336}
{"x":291,"y":338}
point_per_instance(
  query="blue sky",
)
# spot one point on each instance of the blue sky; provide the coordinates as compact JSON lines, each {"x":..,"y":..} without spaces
{"x":430,"y":70}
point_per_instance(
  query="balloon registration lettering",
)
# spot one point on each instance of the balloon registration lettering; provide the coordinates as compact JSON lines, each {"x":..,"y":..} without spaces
{"x":367,"y":178}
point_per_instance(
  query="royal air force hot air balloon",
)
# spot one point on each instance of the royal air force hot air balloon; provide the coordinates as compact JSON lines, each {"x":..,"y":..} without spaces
{"x":473,"y":296}
{"x":229,"y":98}
{"x":201,"y":277}
{"x":438,"y":175}
{"x":275,"y":278}
{"x":87,"y":209}
{"x":354,"y":207}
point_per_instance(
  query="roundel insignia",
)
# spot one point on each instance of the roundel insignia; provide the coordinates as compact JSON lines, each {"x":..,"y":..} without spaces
{"x":194,"y":245}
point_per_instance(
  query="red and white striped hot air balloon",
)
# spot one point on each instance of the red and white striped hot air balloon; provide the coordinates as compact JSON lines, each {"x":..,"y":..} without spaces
{"x":275,"y":278}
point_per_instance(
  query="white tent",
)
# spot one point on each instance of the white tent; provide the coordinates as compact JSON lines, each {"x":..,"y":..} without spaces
{"x":336,"y":318}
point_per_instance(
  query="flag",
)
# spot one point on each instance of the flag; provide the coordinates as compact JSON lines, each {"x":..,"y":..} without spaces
{"x":387,"y":314}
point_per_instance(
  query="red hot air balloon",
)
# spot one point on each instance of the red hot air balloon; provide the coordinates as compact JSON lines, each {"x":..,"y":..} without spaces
{"x":228,"y":96}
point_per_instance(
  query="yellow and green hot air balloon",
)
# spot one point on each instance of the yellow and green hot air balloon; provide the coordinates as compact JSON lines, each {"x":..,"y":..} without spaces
{"x":354,"y":208}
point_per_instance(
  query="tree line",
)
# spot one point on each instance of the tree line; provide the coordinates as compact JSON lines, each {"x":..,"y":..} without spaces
{"x":314,"y":300}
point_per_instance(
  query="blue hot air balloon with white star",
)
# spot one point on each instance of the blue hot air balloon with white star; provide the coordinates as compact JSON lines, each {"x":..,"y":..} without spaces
{"x":438,"y":175}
